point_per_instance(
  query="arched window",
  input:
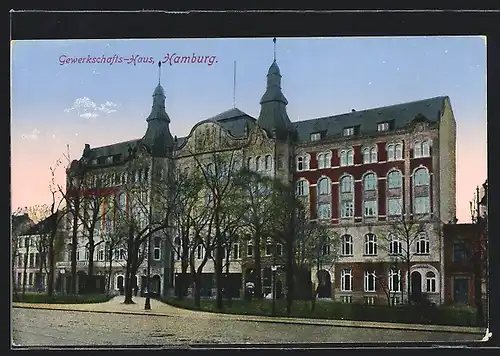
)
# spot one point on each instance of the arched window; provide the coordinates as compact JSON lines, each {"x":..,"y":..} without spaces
{"x":394,"y":193}
{"x":250,"y":163}
{"x":346,"y":184}
{"x":324,"y":186}
{"x":346,"y":242}
{"x":370,"y":182}
{"x":370,"y":196}
{"x":343,"y":158}
{"x":366,"y":155}
{"x":423,"y":247}
{"x":390,"y":152}
{"x":425,"y":149}
{"x":258,"y":164}
{"x":370,"y":244}
{"x":430,"y":279}
{"x":417,"y":150}
{"x":399,"y":151}
{"x":395,"y":280}
{"x":347,"y":157}
{"x":421,"y":177}
{"x":421,"y":190}
{"x":268,"y":163}
{"x":346,"y":197}
{"x":395,"y":245}
{"x":346,"y":280}
{"x":350,"y":157}
{"x":302,"y":188}
{"x":370,"y":278}
{"x":324,"y":160}
{"x":373,"y":155}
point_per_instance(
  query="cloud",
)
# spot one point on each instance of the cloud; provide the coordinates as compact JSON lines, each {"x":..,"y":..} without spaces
{"x":87,"y":108}
{"x":31,"y":136}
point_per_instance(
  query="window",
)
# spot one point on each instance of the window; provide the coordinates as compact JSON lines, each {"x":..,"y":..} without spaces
{"x":370,"y":208}
{"x":383,"y":126}
{"x":394,"y":180}
{"x":21,"y":242}
{"x":122,"y":254}
{"x":249,"y":163}
{"x":390,"y":152}
{"x":249,"y":249}
{"x":395,"y":245}
{"x":370,"y":182}
{"x":27,"y":242}
{"x":346,"y":280}
{"x":324,"y":160}
{"x":326,"y":249}
{"x":346,"y":241}
{"x":100,"y":255}
{"x":370,"y":155}
{"x":346,"y":209}
{"x":87,"y":254}
{"x":324,"y":186}
{"x":268,"y":163}
{"x":30,"y":279}
{"x":422,"y":243}
{"x":346,"y":184}
{"x":399,"y":151}
{"x":421,"y":205}
{"x":302,"y":188}
{"x":279,"y":249}
{"x":236,"y":251}
{"x":157,"y":248}
{"x":349,"y":131}
{"x":421,"y":177}
{"x":370,"y":244}
{"x":20,"y":260}
{"x":315,"y":136}
{"x":421,"y":149}
{"x":269,"y":250}
{"x":302,"y":163}
{"x":395,"y":281}
{"x":19,"y":278}
{"x":32,"y":260}
{"x":199,"y":252}
{"x":459,"y":253}
{"x":324,"y":211}
{"x":347,"y":157}
{"x":369,"y":281}
{"x":370,"y":300}
{"x":258,"y":164}
{"x":122,"y":201}
{"x":346,"y":299}
{"x":430,"y":279}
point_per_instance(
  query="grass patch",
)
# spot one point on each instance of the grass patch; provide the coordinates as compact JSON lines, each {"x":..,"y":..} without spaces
{"x":62,"y":299}
{"x":441,"y":315}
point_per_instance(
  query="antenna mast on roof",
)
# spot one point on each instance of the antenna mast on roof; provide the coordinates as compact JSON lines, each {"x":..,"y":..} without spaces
{"x":234,"y":85}
{"x":159,"y":72}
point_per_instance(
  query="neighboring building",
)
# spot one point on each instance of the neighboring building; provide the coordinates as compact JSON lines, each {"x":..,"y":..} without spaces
{"x":460,"y":243}
{"x":360,"y":173}
{"x":31,"y":259}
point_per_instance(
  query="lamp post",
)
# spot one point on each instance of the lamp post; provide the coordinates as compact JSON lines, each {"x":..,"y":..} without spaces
{"x":62,"y":271}
{"x":274,"y":268}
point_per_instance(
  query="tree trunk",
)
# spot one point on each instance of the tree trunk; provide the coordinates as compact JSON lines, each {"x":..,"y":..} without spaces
{"x":226,"y":280}
{"x":197,"y":290}
{"x":51,"y":261}
{"x":74,"y":246}
{"x":218,"y":275}
{"x":110,"y":269}
{"x":258,"y":267}
{"x":25,"y":274}
{"x":408,"y":282}
{"x":91,"y":248}
{"x":289,"y":278}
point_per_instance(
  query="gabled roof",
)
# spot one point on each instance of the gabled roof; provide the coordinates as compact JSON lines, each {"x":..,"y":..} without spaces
{"x":20,"y":222}
{"x":400,"y":115}
{"x":44,"y":226}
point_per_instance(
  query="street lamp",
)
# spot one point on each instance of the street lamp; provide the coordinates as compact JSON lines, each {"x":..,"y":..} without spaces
{"x":62,"y":271}
{"x":147,"y":305}
{"x":274,"y":268}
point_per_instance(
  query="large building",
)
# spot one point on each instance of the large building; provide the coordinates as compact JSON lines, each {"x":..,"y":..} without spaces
{"x":361,"y":172}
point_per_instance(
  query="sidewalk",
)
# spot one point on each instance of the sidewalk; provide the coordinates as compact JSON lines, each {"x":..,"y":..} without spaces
{"x":116,"y":306}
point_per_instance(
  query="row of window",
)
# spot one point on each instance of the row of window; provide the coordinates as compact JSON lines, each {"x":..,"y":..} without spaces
{"x":394,"y":246}
{"x":120,"y":254}
{"x":421,"y":197}
{"x":394,"y":281}
{"x":370,"y":155}
{"x":114,"y":179}
{"x":32,"y":278}
{"x":233,"y":253}
{"x":33,"y":260}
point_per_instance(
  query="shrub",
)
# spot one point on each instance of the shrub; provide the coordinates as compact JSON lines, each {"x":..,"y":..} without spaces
{"x":62,"y":299}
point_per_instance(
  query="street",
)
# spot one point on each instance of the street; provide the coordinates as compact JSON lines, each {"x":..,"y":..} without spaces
{"x":32,"y":327}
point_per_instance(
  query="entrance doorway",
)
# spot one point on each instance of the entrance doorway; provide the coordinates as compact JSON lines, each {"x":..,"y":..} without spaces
{"x":416,"y":286}
{"x":325,"y":284}
{"x":461,"y":290}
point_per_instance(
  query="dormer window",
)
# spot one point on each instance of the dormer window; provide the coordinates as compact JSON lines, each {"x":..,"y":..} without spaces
{"x":383,"y":126}
{"x":109,"y":159}
{"x":349,"y":131}
{"x":315,"y":136}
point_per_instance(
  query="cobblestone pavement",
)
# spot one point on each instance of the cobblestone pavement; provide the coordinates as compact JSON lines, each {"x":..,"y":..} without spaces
{"x":33,"y":327}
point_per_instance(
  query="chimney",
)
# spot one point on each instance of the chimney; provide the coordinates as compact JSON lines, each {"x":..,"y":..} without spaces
{"x":352,"y":110}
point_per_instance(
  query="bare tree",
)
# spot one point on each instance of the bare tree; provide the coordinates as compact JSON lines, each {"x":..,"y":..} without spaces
{"x":219,"y":170}
{"x":113,"y":240}
{"x":388,"y":277}
{"x":403,"y":238}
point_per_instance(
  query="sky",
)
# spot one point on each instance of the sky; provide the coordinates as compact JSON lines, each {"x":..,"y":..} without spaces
{"x":58,"y":101}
